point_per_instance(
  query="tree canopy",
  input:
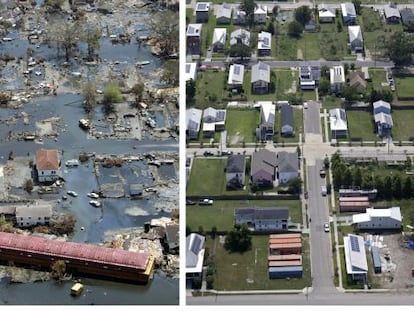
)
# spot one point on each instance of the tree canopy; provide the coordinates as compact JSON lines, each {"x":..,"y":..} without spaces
{"x":303,"y":15}
{"x":399,"y":48}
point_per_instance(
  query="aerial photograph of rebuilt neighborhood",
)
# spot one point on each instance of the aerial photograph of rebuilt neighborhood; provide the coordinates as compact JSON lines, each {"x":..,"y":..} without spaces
{"x":89,"y":107}
{"x":299,"y":148}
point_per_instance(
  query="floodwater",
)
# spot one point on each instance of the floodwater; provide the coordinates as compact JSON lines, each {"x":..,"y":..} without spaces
{"x":115,"y":214}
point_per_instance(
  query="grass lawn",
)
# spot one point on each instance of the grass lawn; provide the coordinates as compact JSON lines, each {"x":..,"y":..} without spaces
{"x":298,"y":122}
{"x":403,"y":127}
{"x":378,"y":77}
{"x":189,"y":16}
{"x":207,"y":177}
{"x":360,"y":124}
{"x":249,"y":270}
{"x":331,"y":102}
{"x":285,"y":79}
{"x":404,"y":86}
{"x":210,"y":89}
{"x":309,"y":95}
{"x":241,"y":125}
{"x":221,"y":213}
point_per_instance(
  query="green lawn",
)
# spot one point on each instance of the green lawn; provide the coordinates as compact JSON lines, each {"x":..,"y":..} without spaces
{"x":360,"y":124}
{"x":210,"y":89}
{"x":207,"y":177}
{"x":221,"y":213}
{"x":378,"y":77}
{"x":241,"y":125}
{"x":331,"y":102}
{"x":189,"y":16}
{"x":285,"y":80}
{"x":403,"y":127}
{"x":249,"y":270}
{"x":404,"y":86}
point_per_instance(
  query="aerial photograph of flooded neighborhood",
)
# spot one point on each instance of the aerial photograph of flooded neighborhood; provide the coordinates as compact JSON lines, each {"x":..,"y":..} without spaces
{"x":299,"y":150}
{"x":89,"y":152}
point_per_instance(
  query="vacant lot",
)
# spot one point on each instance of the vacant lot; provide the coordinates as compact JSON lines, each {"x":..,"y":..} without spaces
{"x":249,"y":270}
{"x":207,"y":177}
{"x":404,"y":87}
{"x":210,"y":89}
{"x":241,"y":125}
{"x":360,"y":125}
{"x":403,"y":127}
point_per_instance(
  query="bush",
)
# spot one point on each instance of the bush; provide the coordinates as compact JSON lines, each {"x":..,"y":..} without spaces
{"x":112,"y":93}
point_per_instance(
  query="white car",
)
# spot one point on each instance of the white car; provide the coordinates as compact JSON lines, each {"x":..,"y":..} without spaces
{"x":206,"y":202}
{"x":72,"y":193}
{"x":305,"y":105}
{"x":95,"y":203}
{"x":326,"y":227}
{"x":93,"y":195}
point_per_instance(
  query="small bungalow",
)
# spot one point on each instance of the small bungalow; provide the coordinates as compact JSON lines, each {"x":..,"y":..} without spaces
{"x":391,"y":14}
{"x":407,"y":16}
{"x":236,"y":171}
{"x":194,"y":257}
{"x":263,"y":219}
{"x":239,"y":18}
{"x":356,"y":79}
{"x":263,"y":167}
{"x":287,"y":127}
{"x":379,"y":218}
{"x":48,"y":165}
{"x":287,"y":166}
{"x":193,"y":39}
{"x":264,"y":44}
{"x":202,"y":11}
{"x":223,"y":14}
{"x":236,"y":77}
{"x":337,"y":78}
{"x":260,"y":14}
{"x":265,"y":131}
{"x":309,"y":75}
{"x":382,"y":118}
{"x":190,"y":71}
{"x":260,"y":78}
{"x":356,"y":42}
{"x":355,"y":257}
{"x":219,"y":39}
{"x":213,"y":121}
{"x":338,"y":123}
{"x":381,"y":106}
{"x":326,"y":14}
{"x":193,"y":120}
{"x":348,"y":13}
{"x":240,"y":36}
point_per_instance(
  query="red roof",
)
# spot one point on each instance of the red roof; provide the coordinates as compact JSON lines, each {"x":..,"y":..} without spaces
{"x":47,"y":159}
{"x":74,"y":250}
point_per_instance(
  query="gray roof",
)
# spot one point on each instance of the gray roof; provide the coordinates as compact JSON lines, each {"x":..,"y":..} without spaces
{"x":286,"y":115}
{"x":381,"y":103}
{"x":236,"y":163}
{"x":202,"y":6}
{"x":194,"y":30}
{"x":263,"y":160}
{"x":287,"y":161}
{"x":348,"y":9}
{"x":383,"y":118}
{"x":171,"y":231}
{"x":261,"y":72}
{"x":390,"y":11}
{"x":194,"y":244}
{"x":240,"y":35}
{"x":407,"y":15}
{"x":33,"y":211}
{"x":260,"y":213}
{"x":193,"y":116}
{"x":223,"y":10}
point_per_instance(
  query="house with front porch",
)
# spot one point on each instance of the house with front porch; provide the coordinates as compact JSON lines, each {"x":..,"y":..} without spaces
{"x":47,"y":165}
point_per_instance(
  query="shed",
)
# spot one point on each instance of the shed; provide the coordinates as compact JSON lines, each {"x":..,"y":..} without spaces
{"x":285,"y":272}
{"x":376,"y":259}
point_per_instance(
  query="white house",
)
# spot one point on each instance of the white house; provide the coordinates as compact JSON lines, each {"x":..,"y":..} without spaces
{"x":194,"y":256}
{"x":27,"y":216}
{"x":190,"y":71}
{"x":287,"y":166}
{"x":338,"y":122}
{"x":223,"y":14}
{"x":213,"y":121}
{"x":47,"y":165}
{"x":260,"y":80}
{"x":265,"y":131}
{"x":356,"y":42}
{"x":236,"y":77}
{"x":260,"y":14}
{"x":193,"y":120}
{"x":219,"y":39}
{"x":355,"y":257}
{"x":348,"y":13}
{"x":263,"y":219}
{"x":239,"y":17}
{"x":337,"y":78}
{"x":326,"y":14}
{"x":264,"y":43}
{"x":378,"y":218}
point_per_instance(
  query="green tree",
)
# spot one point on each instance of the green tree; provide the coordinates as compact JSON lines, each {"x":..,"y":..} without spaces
{"x":397,"y":187}
{"x":347,"y":178}
{"x":388,"y":187}
{"x":238,"y":240}
{"x":213,"y":232}
{"x":379,"y":185}
{"x":138,"y":91}
{"x":357,"y":177}
{"x":295,"y":185}
{"x":248,"y":6}
{"x":170,"y":74}
{"x":295,"y":29}
{"x":303,"y":14}
{"x":93,"y":34}
{"x":164,"y":27}
{"x":407,"y":187}
{"x":275,"y":10}
{"x":240,"y":50}
{"x":112,"y":93}
{"x":271,"y":28}
{"x":399,"y":47}
{"x":324,"y":87}
{"x":190,"y":90}
{"x":357,"y":5}
{"x":367,"y":181}
{"x":89,"y":94}
{"x":350,"y":93}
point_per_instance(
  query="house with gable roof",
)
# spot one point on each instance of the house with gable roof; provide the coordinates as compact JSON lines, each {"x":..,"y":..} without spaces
{"x":263,"y":168}
{"x":287,"y":166}
{"x":266,"y":131}
{"x":48,"y":165}
{"x":260,"y":80}
{"x":236,"y":171}
{"x":264,"y":44}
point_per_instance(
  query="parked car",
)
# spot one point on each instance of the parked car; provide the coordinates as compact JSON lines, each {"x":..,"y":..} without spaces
{"x":305,"y":105}
{"x":72,"y":193}
{"x":208,"y":153}
{"x":226,"y":152}
{"x":326,"y":227}
{"x":206,"y":202}
{"x":95,"y":203}
{"x":324,"y":191}
{"x":93,"y":195}
{"x":322,"y":173}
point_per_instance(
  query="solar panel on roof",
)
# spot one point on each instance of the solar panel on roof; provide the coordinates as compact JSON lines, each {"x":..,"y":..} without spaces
{"x":201,"y":6}
{"x":192,"y":125}
{"x":187,"y":68}
{"x":195,"y":247}
{"x":220,"y":115}
{"x":266,"y":41}
{"x":354,"y":243}
{"x":236,"y":70}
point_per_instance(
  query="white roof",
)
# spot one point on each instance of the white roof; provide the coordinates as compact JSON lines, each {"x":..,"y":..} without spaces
{"x":241,"y":34}
{"x":348,"y":9}
{"x":355,"y":256}
{"x":383,"y":118}
{"x":338,"y":119}
{"x":260,"y":9}
{"x":193,"y":118}
{"x":223,"y":10}
{"x":381,"y":103}
{"x":268,"y":111}
{"x":202,"y":6}
{"x":390,"y":11}
{"x":219,"y":35}
{"x":194,"y":253}
{"x":194,"y":30}
{"x":392,"y":212}
{"x":236,"y":74}
{"x":264,"y":41}
{"x":326,"y":11}
{"x":261,"y":72}
{"x":209,"y":127}
{"x":355,"y":33}
{"x":33,"y":211}
{"x":190,"y":71}
{"x":337,"y":74}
